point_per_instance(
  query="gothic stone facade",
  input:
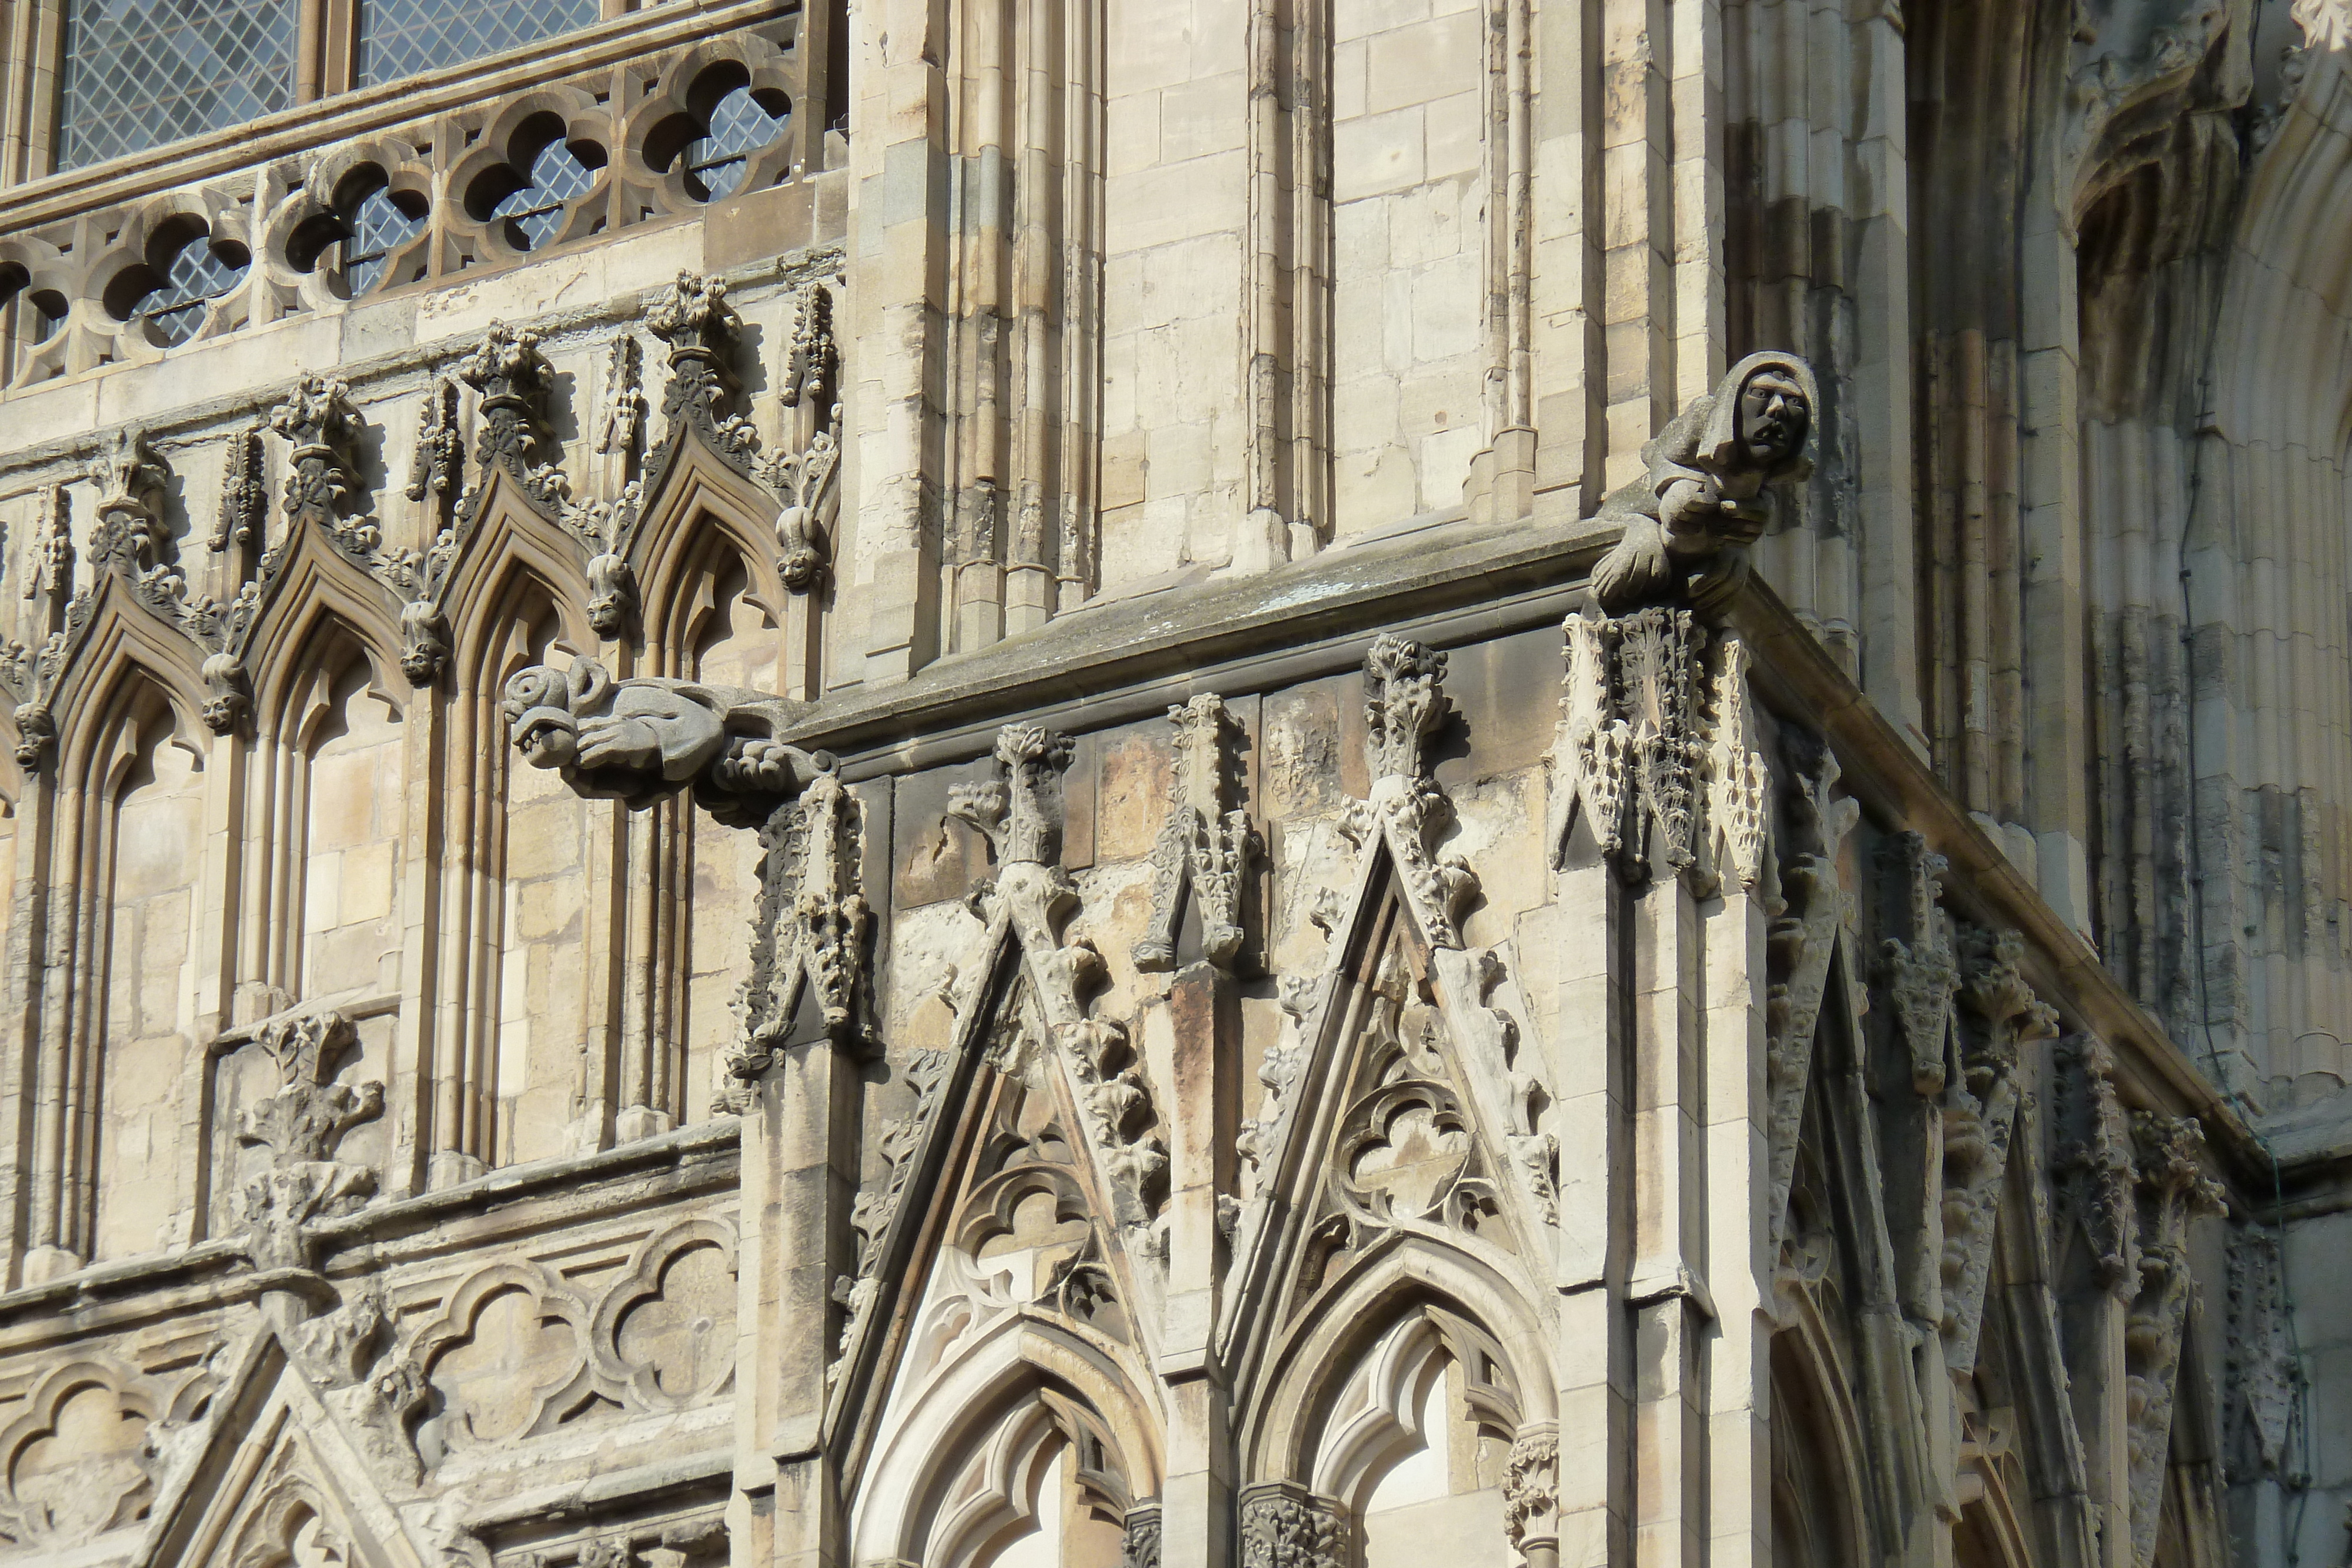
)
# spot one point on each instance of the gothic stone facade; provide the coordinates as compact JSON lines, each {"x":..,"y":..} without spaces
{"x":1260,"y":783}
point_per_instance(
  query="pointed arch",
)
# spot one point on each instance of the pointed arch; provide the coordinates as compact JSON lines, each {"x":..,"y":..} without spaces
{"x":510,"y":537}
{"x":1819,"y":1518}
{"x":117,"y":639}
{"x":991,"y":1407}
{"x":696,"y":501}
{"x":114,"y":1052}
{"x":314,"y":584}
{"x":1403,"y":1276}
{"x":333,"y":708}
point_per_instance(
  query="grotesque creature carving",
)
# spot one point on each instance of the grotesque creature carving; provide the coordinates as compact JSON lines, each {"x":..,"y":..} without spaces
{"x":1690,"y":519}
{"x":636,"y":739}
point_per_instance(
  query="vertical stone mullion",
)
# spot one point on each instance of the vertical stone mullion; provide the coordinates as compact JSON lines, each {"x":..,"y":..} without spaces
{"x":1196,"y":1031}
{"x":1736,"y":1251}
{"x":1664,"y":1293}
{"x":1593,"y":1347}
{"x":799,"y":1175}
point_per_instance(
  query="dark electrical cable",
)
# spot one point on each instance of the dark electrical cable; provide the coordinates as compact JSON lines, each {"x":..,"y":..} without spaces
{"x":2297,"y":1480}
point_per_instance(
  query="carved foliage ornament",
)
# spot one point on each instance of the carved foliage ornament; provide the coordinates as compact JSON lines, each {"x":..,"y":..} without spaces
{"x":1921,"y":974}
{"x":130,"y":546}
{"x":808,"y":932}
{"x":1979,"y":1117}
{"x":1800,"y":944}
{"x":1405,"y":706}
{"x":877,"y":1204}
{"x":302,"y":1127}
{"x":1648,"y":739}
{"x":692,"y":317}
{"x":1206,"y":846}
{"x":513,"y":375}
{"x":1531,"y":1490}
{"x":1284,"y":1525}
{"x":1019,"y":812}
{"x":2172,"y":1188}
{"x":2093,"y":1163}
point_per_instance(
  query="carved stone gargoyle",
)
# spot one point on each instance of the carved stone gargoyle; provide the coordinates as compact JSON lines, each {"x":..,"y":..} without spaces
{"x":1707,"y":490}
{"x":636,"y":740}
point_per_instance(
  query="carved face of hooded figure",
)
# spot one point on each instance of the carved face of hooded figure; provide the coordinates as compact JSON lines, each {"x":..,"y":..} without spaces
{"x":1772,"y":417}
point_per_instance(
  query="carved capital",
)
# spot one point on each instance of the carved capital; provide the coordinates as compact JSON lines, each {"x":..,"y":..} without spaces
{"x":1139,"y":1547}
{"x":1531,"y":1490}
{"x":1284,"y":1525}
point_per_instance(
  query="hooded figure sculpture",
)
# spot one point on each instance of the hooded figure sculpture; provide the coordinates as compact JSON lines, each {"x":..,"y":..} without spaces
{"x":1691,"y":517}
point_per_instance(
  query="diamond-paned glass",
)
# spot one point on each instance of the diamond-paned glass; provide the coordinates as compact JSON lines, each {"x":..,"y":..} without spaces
{"x":739,"y":127}
{"x":378,"y":228}
{"x":173,"y":313}
{"x":139,"y":73}
{"x":401,"y":38}
{"x":556,"y":176}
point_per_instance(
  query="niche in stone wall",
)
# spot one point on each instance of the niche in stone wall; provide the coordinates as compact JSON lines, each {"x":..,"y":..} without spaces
{"x":1407,"y":246}
{"x":347,"y":798}
{"x":523,"y":1082}
{"x":148,"y":863}
{"x":1415,"y":1444}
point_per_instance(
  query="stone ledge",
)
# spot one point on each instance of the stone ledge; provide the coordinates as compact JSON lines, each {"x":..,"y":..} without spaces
{"x":217,"y":1274}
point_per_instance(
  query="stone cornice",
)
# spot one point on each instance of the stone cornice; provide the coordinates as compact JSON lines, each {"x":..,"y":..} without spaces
{"x":214,"y":1274}
{"x":1449,"y":584}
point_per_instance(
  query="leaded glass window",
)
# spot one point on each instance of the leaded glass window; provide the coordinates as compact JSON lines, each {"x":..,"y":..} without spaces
{"x":383,"y":223}
{"x":533,"y":213}
{"x":740,"y":125}
{"x":201,"y":271}
{"x":401,"y":38}
{"x":139,"y":73}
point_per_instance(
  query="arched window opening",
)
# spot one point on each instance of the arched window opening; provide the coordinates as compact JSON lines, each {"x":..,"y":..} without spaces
{"x":187,"y":267}
{"x":740,"y":124}
{"x":384,"y":222}
{"x":1417,"y":1440}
